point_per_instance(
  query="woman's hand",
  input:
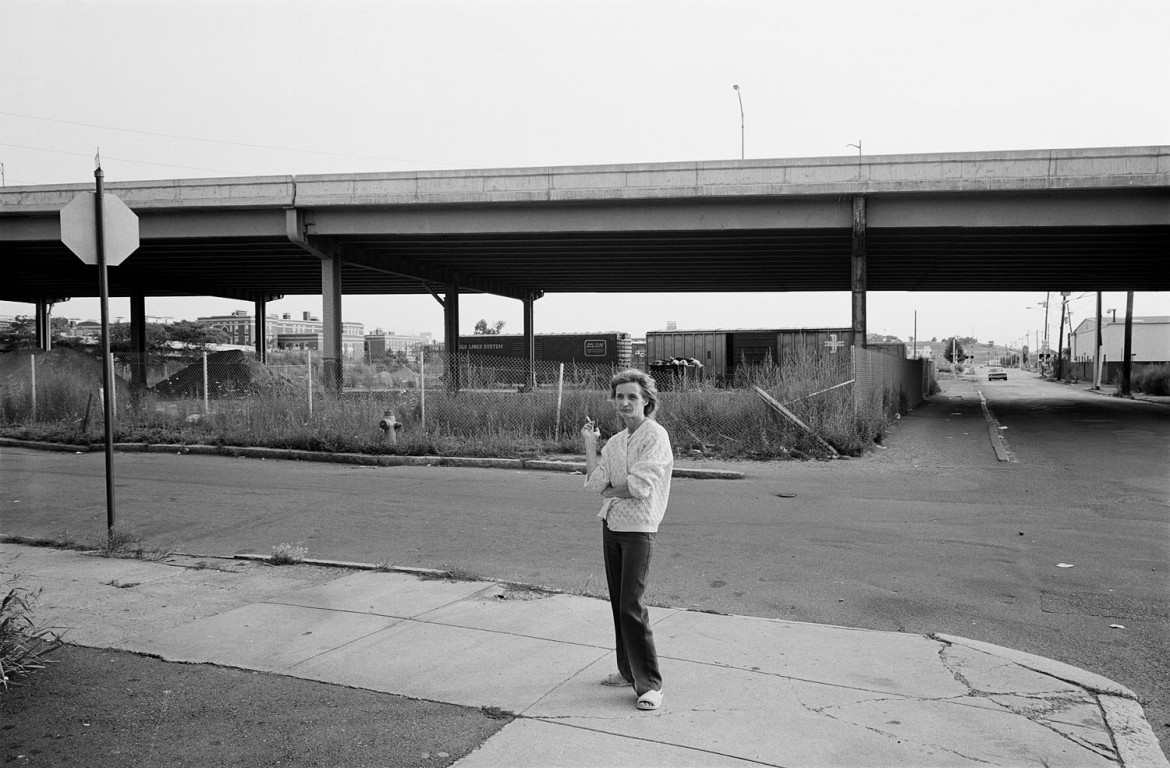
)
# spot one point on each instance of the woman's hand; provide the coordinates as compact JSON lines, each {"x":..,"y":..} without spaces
{"x":590,"y":432}
{"x":616,"y":492}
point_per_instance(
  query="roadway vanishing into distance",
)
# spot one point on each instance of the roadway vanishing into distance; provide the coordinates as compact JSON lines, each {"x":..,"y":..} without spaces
{"x":930,"y":532}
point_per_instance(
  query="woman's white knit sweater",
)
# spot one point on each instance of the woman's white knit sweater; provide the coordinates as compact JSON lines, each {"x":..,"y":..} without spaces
{"x":643,"y":461}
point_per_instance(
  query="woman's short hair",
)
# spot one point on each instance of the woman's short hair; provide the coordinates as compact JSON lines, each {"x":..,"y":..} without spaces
{"x":643,"y":380}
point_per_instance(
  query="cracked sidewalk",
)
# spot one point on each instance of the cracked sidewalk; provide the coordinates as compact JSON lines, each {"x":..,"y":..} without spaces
{"x":738,"y":690}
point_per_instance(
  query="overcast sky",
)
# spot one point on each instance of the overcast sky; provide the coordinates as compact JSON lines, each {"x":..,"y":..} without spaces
{"x":197,"y":88}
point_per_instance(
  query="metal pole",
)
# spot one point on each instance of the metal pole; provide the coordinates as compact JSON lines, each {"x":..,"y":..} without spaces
{"x":739,"y":96}
{"x":1097,"y":354}
{"x":32,"y":361}
{"x":1127,"y":348}
{"x":107,"y":372}
{"x":560,"y":392}
{"x":422,"y":387}
{"x":1047,"y":296}
{"x":309,"y":362}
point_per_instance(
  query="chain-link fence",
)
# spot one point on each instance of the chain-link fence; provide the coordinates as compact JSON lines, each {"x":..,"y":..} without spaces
{"x":432,"y":403}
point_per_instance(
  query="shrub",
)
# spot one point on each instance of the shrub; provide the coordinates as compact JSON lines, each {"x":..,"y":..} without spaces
{"x":1152,"y":379}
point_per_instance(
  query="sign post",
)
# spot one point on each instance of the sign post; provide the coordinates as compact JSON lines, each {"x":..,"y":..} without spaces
{"x":102,"y":231}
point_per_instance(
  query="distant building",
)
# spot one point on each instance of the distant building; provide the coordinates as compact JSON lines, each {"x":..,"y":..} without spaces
{"x":1150,"y":343}
{"x":88,"y":329}
{"x":283,"y":332}
{"x":380,"y":343}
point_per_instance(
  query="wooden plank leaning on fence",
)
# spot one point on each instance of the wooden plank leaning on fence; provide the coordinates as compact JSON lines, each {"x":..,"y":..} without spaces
{"x":771,"y":401}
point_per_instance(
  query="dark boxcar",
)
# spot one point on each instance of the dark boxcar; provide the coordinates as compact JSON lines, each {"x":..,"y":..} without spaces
{"x":612,"y":348}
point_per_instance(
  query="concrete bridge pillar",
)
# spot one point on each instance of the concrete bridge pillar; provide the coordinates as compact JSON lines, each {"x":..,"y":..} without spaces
{"x":261,"y":336}
{"x":859,"y":271}
{"x":138,"y":342}
{"x":331,"y":322}
{"x":44,"y":324}
{"x":530,"y":339}
{"x":451,"y":334}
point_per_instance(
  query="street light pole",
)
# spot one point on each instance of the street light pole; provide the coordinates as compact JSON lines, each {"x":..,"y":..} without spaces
{"x":1047,"y":296}
{"x":741,"y":122}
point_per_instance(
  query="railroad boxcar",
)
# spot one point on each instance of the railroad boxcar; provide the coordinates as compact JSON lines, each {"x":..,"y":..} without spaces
{"x":611,"y":348}
{"x":720,"y":351}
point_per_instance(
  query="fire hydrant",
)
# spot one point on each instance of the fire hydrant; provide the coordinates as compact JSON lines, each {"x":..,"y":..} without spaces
{"x":389,"y":424}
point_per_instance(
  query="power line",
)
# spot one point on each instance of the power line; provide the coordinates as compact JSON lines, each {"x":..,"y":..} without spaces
{"x":223,"y":142}
{"x":122,"y":159}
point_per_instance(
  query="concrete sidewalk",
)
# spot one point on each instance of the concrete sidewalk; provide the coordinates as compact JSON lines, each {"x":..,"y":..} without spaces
{"x":739,"y":690}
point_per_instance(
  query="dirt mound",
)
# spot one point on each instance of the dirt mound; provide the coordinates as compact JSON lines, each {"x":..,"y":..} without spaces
{"x":231,"y":372}
{"x":16,"y":368}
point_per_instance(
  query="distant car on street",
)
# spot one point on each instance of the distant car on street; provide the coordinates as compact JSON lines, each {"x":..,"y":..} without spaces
{"x":995,"y":372}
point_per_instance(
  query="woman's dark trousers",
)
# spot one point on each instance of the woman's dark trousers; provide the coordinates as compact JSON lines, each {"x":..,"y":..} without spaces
{"x":627,"y":563}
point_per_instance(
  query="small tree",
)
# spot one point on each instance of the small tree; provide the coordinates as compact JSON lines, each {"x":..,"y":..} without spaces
{"x":953,"y":350}
{"x":483,"y":329}
{"x":19,"y":333}
{"x":122,"y":343}
{"x":195,"y":336}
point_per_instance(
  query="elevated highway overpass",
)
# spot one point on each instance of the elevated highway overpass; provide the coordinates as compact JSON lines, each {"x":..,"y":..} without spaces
{"x":1072,"y":219}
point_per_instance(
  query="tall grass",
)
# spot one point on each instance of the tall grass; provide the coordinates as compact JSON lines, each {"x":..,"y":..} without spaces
{"x":703,"y":420}
{"x":1152,"y":379}
{"x":25,"y":645}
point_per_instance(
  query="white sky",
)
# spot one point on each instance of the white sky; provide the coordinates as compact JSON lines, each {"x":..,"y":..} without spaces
{"x":228,"y":88}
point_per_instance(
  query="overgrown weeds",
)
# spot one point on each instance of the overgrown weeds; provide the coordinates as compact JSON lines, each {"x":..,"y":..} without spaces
{"x":1152,"y":379}
{"x":124,"y":541}
{"x":456,"y":574}
{"x":288,"y":554}
{"x":121,"y":541}
{"x":25,"y":646}
{"x":281,"y":408}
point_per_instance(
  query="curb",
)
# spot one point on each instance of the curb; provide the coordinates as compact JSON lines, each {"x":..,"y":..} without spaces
{"x":43,"y":446}
{"x":360,"y":459}
{"x":1132,"y":735}
{"x":1089,"y":681}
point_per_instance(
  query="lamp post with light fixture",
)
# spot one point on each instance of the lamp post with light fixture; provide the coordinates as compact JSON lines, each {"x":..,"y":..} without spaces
{"x":739,"y":96}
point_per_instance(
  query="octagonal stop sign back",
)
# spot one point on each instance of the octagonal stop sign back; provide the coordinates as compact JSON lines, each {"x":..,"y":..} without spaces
{"x":79,"y":232}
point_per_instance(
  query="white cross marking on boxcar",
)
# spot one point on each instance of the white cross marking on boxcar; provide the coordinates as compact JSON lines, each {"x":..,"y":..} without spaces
{"x":833,"y":344}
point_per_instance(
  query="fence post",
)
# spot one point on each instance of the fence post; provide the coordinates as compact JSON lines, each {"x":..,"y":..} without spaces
{"x":113,"y":390}
{"x":309,"y":363}
{"x":32,"y":361}
{"x":857,"y":390}
{"x":560,"y":390}
{"x":422,"y":387}
{"x":206,"y":395}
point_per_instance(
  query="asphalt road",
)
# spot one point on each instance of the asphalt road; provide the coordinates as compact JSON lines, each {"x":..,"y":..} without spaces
{"x":930,"y":533}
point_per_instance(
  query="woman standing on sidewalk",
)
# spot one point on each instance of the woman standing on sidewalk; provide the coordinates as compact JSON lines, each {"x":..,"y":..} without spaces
{"x":632,"y":474}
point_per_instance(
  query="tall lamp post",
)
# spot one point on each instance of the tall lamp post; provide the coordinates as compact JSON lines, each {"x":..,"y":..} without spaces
{"x":739,"y":96}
